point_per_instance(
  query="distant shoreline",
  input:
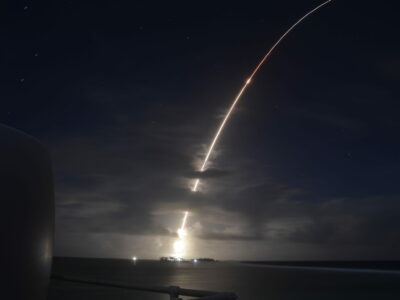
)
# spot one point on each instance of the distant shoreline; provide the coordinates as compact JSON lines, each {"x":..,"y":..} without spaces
{"x":345,"y":264}
{"x":392,"y":267}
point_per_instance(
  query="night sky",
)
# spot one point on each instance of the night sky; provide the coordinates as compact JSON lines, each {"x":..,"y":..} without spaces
{"x":128,"y":94}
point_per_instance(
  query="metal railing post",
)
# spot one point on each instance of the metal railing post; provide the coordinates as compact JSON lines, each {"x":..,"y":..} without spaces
{"x":174,"y":292}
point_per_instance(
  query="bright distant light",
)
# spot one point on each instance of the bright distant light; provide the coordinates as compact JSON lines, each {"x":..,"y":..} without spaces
{"x":248,"y":81}
{"x":181,"y":233}
{"x":134,"y":258}
{"x":179,"y":246}
{"x":195,"y":260}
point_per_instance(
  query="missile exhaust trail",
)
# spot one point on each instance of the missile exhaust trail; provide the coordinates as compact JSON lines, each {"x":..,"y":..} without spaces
{"x":184,"y":221}
{"x":179,"y":244}
{"x":243,"y":89}
{"x":181,"y":231}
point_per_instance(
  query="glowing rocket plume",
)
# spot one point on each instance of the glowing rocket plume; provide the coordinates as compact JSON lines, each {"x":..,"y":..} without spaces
{"x":179,"y":244}
{"x":184,"y":220}
{"x":243,"y":89}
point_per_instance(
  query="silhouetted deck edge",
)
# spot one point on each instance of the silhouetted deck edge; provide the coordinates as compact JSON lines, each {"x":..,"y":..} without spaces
{"x":345,"y":264}
{"x":173,"y":291}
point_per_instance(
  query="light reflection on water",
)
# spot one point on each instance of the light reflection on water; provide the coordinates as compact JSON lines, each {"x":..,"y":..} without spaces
{"x":249,"y":282}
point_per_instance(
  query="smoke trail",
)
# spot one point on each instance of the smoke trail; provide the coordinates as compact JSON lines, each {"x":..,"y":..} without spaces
{"x":243,"y":89}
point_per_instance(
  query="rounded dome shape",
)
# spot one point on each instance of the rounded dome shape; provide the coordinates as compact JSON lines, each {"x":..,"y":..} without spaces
{"x":26,"y":214}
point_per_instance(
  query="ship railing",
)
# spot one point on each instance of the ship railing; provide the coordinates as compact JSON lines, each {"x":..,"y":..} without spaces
{"x":174,"y":292}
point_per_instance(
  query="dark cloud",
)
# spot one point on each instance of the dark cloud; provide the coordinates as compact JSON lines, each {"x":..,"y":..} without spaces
{"x":221,"y":236}
{"x":208,"y":174}
{"x":138,"y":190}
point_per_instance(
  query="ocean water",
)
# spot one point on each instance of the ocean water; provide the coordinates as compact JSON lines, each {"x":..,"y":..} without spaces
{"x":246,"y":280}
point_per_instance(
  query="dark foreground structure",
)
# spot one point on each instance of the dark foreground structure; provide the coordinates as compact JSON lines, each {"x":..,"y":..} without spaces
{"x":173,"y":291}
{"x":27,"y":216}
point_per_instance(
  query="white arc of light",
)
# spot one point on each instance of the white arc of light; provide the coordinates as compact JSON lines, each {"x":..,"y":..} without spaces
{"x":243,"y":89}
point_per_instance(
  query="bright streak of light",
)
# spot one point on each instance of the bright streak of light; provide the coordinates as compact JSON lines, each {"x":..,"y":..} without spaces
{"x":184,"y":220}
{"x":180,"y":244}
{"x":243,"y":89}
{"x":196,"y":183}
